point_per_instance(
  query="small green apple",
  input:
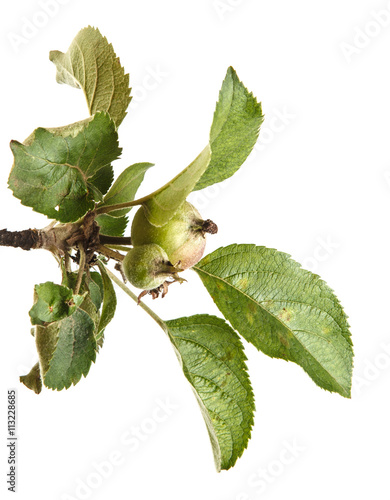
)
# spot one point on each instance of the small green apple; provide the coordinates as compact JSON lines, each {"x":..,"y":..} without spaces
{"x":182,"y":238}
{"x":147,"y":267}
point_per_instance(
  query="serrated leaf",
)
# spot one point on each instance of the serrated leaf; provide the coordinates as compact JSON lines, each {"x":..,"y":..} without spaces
{"x":53,"y":303}
{"x":53,"y":174}
{"x":283,"y":310}
{"x":66,"y":350}
{"x":125,"y":187}
{"x":161,"y":205}
{"x":96,"y":289}
{"x":92,"y":290}
{"x":213,"y":361}
{"x":109,"y":301}
{"x":91,"y":64}
{"x":33,"y":379}
{"x":234,"y":131}
{"x":103,"y":178}
{"x":112,"y":226}
{"x":70,"y":130}
{"x":69,"y":279}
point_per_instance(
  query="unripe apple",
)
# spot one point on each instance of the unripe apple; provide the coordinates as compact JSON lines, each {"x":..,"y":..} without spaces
{"x":182,"y":238}
{"x":147,"y":267}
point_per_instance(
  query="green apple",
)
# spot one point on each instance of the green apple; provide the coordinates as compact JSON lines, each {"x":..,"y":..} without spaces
{"x":182,"y":238}
{"x":147,"y":267}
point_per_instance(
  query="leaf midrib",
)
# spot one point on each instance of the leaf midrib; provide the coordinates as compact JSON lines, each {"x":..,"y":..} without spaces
{"x":291,"y":279}
{"x":191,"y":374}
{"x":228,"y":114}
{"x":273,"y":300}
{"x":214,"y":356}
{"x":57,"y":164}
{"x":291,"y":331}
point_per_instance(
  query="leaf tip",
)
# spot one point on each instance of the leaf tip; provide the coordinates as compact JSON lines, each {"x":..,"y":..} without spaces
{"x":14,"y":145}
{"x":53,"y":54}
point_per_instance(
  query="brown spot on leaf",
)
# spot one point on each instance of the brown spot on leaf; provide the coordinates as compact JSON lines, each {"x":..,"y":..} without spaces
{"x":285,"y":315}
{"x":284,"y":341}
{"x":228,"y":356}
{"x":243,"y":283}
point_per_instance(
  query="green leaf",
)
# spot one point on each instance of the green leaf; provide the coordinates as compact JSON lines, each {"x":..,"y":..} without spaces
{"x":66,"y":350}
{"x":213,"y":361}
{"x":96,"y":293}
{"x":234,"y":131}
{"x":54,"y":173}
{"x":91,"y":64}
{"x":161,"y":205}
{"x":33,"y":379}
{"x":112,"y":226}
{"x":96,"y":289}
{"x":283,"y":310}
{"x":103,"y":178}
{"x":125,"y":187}
{"x":70,"y":130}
{"x":109,"y":301}
{"x":92,"y":290}
{"x":53,"y":302}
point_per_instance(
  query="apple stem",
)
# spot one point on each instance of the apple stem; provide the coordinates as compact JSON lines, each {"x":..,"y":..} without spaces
{"x":132,"y":295}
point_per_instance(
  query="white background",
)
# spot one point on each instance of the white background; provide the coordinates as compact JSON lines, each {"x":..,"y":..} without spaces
{"x":316,"y":187}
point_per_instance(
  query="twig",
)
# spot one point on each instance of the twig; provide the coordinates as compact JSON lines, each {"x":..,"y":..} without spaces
{"x":112,"y":254}
{"x":132,"y":295}
{"x":114,"y":240}
{"x":81,"y":270}
{"x":27,"y":239}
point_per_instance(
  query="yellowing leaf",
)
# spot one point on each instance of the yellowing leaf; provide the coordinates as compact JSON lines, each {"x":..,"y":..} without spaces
{"x":91,"y":64}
